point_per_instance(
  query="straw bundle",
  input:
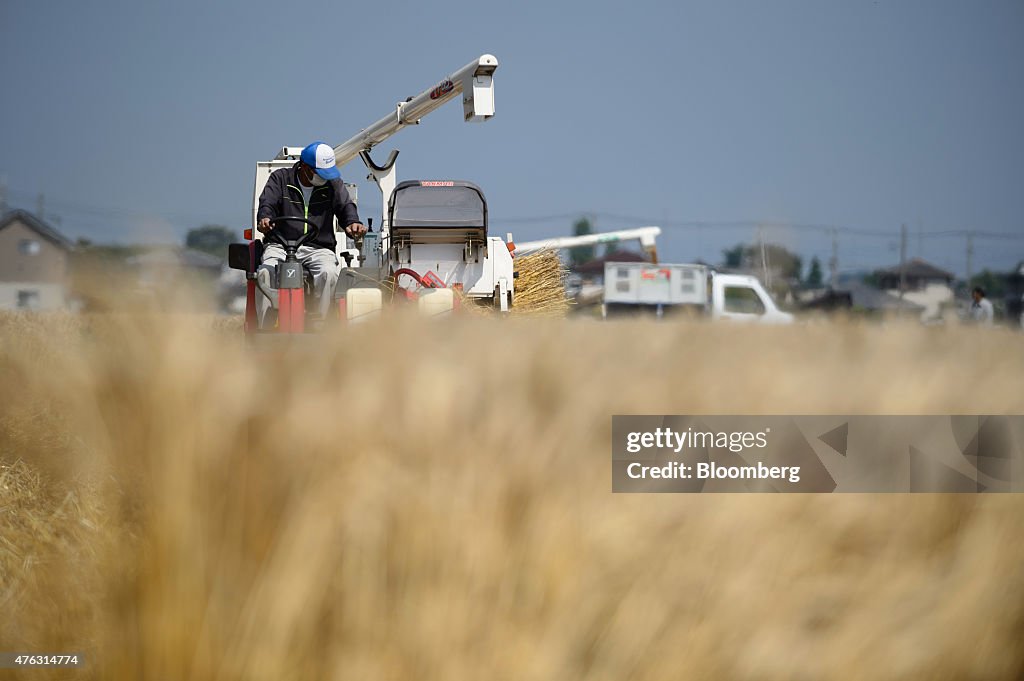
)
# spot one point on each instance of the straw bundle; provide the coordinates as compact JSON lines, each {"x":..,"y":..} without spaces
{"x":539,"y":287}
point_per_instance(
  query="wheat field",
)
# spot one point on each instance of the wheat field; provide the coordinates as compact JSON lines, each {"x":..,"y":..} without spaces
{"x":431,"y":500}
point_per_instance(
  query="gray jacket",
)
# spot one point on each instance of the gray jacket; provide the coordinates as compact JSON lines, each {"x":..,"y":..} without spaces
{"x":282,"y":197}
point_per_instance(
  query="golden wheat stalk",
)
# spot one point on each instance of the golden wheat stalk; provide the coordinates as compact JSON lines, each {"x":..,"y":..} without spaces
{"x":177,"y":508}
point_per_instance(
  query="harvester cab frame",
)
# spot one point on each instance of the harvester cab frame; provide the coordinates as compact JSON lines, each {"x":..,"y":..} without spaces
{"x":447,"y":257}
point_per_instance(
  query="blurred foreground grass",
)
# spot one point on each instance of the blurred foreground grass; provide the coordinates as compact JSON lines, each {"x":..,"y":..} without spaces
{"x":431,"y":501}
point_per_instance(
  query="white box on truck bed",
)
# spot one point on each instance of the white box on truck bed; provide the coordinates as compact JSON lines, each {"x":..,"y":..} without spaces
{"x":641,"y":283}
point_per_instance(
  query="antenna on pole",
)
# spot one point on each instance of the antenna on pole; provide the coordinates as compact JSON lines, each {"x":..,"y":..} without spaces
{"x":764,"y":259}
{"x":970,"y":256}
{"x":3,"y":195}
{"x":833,"y":263}
{"x":903,"y":259}
{"x":40,"y":205}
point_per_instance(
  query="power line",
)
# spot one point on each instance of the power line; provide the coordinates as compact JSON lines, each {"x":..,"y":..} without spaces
{"x":975,"y":233}
{"x":106,"y":211}
{"x":543,"y":218}
{"x":767,"y":225}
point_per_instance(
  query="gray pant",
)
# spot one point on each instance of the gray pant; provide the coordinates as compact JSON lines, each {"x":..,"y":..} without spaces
{"x":322,"y":263}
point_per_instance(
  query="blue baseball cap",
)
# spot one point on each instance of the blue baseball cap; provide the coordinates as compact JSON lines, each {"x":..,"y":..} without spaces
{"x":320,"y":157}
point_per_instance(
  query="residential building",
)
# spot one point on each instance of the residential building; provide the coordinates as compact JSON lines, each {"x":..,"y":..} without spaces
{"x":33,"y":263}
{"x":922,"y":283}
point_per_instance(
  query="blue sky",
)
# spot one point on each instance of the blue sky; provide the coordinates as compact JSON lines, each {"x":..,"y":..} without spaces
{"x":141,"y":120}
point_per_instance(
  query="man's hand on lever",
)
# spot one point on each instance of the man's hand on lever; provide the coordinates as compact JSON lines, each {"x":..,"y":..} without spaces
{"x":356,"y":230}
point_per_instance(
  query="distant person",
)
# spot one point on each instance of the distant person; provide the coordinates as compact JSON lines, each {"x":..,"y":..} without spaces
{"x":981,"y":308}
{"x":311,"y":189}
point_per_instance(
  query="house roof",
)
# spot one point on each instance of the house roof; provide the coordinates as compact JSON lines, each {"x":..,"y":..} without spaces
{"x":870,"y":298}
{"x":596,"y":266}
{"x":918,"y":269}
{"x":175,"y":257}
{"x":38,"y":226}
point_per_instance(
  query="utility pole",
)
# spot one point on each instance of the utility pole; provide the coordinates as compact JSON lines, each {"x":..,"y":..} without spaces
{"x":764,"y":259}
{"x":700,"y":240}
{"x":970,"y":257}
{"x":903,"y":259}
{"x":833,"y":263}
{"x":40,"y":200}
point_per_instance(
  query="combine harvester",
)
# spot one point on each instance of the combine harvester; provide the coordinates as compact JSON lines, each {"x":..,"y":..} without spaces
{"x":433,"y":235}
{"x":660,"y":289}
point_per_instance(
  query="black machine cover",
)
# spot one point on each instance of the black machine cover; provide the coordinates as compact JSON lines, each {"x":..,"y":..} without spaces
{"x":441,"y":204}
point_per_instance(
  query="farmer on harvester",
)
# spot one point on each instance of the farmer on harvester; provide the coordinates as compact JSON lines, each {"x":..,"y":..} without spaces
{"x":311,"y":189}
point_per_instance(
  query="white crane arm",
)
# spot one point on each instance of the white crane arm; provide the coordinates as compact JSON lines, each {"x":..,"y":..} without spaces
{"x":645,"y":235}
{"x":474,"y":81}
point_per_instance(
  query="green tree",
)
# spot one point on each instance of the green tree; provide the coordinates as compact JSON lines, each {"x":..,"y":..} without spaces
{"x":733,"y":257}
{"x":814,"y":277}
{"x":581,"y":254}
{"x":212,"y":239}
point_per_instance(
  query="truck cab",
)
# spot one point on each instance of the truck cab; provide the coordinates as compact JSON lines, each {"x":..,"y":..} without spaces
{"x":740,"y":297}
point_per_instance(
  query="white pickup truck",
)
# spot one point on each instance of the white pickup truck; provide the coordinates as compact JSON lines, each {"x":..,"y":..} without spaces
{"x":670,"y":289}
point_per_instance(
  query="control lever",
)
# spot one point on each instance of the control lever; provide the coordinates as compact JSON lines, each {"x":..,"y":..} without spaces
{"x":359,"y":241}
